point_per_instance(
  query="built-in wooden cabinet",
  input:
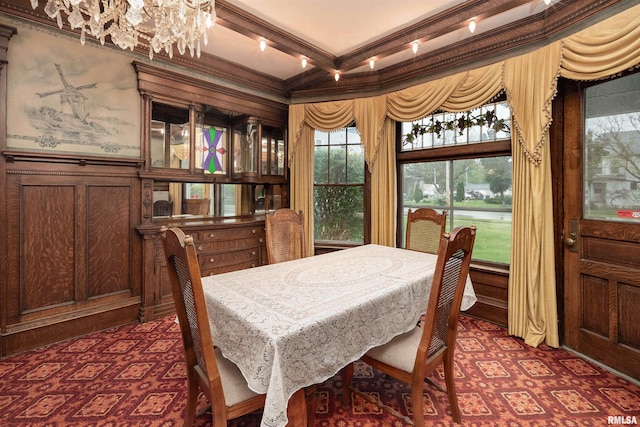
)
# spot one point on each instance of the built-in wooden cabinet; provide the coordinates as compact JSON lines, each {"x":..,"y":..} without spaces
{"x":220,"y":170}
{"x":222,"y":245}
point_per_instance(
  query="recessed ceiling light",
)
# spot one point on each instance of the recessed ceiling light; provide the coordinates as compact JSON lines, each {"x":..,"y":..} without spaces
{"x":304,"y":62}
{"x":414,"y":46}
{"x":372,"y":63}
{"x":337,"y":76}
{"x":263,"y":44}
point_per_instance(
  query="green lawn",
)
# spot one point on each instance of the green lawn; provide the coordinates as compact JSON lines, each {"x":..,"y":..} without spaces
{"x":493,"y":239}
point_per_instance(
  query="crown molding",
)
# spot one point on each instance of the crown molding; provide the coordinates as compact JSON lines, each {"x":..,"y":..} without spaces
{"x":489,"y":47}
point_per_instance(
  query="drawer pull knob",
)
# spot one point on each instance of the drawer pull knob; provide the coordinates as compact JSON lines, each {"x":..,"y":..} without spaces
{"x":212,"y":260}
{"x":211,"y":235}
{"x":253,"y":265}
{"x":261,"y":240}
{"x":211,"y":274}
{"x":200,"y":248}
{"x":253,"y":230}
{"x":253,"y":253}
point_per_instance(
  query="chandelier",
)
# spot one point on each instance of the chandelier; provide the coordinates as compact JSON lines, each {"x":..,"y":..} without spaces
{"x":156,"y":24}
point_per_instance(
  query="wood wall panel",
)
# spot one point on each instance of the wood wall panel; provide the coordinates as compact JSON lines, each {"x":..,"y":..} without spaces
{"x":108,"y":239}
{"x":629,"y":301}
{"x":492,"y":290}
{"x":595,"y":305}
{"x":73,"y":257}
{"x":611,"y":251}
{"x":47,"y":246}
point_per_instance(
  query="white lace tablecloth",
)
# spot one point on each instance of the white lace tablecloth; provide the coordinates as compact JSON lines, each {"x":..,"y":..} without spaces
{"x":294,"y":324}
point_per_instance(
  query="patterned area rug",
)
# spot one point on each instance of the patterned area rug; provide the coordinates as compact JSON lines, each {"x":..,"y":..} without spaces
{"x":134,"y":376}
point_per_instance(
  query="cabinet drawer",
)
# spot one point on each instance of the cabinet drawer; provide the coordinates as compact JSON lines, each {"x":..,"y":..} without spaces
{"x":228,"y":268}
{"x":228,"y":245}
{"x":227,"y":234}
{"x":213,"y":260}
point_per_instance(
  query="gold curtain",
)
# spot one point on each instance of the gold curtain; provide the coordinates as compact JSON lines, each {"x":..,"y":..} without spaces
{"x":383,"y":189}
{"x":476,"y":87}
{"x":369,"y":115}
{"x":419,"y":101}
{"x":301,"y":166}
{"x":328,"y":116}
{"x":530,"y":82}
{"x":604,"y":49}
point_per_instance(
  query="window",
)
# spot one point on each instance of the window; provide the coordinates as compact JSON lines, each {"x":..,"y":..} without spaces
{"x":612,"y":150}
{"x":338,"y":187}
{"x":461,"y":163}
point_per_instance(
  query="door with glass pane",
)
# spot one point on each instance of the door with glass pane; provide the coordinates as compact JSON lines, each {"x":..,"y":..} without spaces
{"x":602,"y":222}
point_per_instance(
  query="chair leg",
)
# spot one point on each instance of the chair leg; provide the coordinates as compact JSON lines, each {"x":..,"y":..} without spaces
{"x":347,"y":377}
{"x":451,"y":387}
{"x":192,"y":401}
{"x":417,"y":402}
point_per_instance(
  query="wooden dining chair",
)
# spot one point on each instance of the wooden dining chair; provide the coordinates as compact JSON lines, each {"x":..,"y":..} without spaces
{"x":219,"y":379}
{"x":284,"y":234}
{"x":424,"y":228}
{"x":412,"y":356}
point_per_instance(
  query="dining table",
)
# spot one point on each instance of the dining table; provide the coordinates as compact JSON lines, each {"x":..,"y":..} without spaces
{"x":294,"y":324}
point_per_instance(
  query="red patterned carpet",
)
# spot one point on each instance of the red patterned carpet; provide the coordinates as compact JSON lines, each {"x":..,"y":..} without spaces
{"x":134,"y":376}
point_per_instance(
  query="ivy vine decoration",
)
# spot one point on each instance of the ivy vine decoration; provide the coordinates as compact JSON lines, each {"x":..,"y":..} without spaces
{"x":488,"y":120}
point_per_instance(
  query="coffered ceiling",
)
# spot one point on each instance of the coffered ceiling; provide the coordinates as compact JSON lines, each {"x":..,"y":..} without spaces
{"x":343,"y":36}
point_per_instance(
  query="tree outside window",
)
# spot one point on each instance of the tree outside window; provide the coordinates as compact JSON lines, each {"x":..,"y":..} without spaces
{"x":338,"y":190}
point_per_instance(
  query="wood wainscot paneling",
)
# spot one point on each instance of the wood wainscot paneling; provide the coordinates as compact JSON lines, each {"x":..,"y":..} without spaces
{"x":491,"y":288}
{"x":73,"y":255}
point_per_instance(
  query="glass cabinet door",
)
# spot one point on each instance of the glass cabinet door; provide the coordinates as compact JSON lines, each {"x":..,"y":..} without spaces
{"x":159,"y":158}
{"x":170,"y":139}
{"x":273,"y":151}
{"x":245,"y":147}
{"x":179,"y":144}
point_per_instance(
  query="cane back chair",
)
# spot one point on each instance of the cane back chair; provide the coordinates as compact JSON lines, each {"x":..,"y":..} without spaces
{"x":284,"y":234}
{"x":219,"y":379}
{"x":412,"y":356}
{"x":424,"y":228}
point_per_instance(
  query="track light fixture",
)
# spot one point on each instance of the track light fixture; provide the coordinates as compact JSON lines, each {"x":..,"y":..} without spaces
{"x":472,"y":26}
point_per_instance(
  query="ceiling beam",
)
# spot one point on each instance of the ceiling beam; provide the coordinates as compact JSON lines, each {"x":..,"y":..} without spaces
{"x":242,"y":22}
{"x":452,"y":19}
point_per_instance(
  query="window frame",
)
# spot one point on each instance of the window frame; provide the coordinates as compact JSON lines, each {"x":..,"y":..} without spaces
{"x":327,"y":245}
{"x":475,"y":150}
